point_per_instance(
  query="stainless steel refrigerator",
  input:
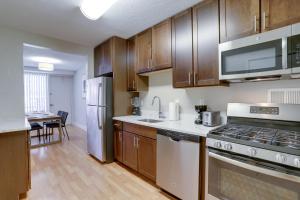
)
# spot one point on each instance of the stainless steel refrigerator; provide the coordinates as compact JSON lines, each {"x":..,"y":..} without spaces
{"x":99,"y":118}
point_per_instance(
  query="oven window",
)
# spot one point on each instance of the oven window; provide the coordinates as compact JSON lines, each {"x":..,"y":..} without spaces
{"x":229,"y":182}
{"x":256,"y":58}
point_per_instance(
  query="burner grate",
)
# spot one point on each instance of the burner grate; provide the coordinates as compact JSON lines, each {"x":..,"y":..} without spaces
{"x":283,"y":138}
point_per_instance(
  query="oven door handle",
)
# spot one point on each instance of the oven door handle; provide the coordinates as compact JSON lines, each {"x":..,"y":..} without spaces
{"x":255,"y":168}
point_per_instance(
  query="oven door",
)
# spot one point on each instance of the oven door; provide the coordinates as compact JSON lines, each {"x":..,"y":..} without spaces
{"x":261,"y":55}
{"x":233,"y":177}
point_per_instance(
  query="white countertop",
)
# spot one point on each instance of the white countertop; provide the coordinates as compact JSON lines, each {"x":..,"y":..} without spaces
{"x":14,"y":125}
{"x":183,"y":126}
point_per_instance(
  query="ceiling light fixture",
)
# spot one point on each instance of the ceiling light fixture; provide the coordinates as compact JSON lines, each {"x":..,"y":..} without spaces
{"x":46,"y":67}
{"x":46,"y":60}
{"x":94,"y":9}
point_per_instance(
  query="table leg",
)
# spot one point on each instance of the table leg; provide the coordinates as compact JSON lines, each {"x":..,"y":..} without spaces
{"x":60,"y":131}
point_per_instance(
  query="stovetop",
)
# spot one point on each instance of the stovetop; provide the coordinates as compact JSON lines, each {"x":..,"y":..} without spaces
{"x":269,"y":138}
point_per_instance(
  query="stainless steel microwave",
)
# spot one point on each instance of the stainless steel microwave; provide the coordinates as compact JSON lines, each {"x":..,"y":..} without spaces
{"x":271,"y":55}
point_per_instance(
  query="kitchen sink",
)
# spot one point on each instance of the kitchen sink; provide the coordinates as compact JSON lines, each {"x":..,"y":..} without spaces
{"x":150,"y":120}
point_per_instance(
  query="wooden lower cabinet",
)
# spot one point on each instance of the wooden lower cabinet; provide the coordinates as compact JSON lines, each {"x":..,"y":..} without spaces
{"x":15,"y":165}
{"x":118,"y":141}
{"x":147,"y":157}
{"x":138,"y":148}
{"x":130,"y":154}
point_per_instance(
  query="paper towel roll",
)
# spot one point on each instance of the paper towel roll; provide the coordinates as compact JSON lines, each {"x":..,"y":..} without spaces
{"x":173,"y":111}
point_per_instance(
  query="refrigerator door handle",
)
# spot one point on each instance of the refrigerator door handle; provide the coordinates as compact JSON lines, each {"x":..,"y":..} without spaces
{"x":98,"y":102}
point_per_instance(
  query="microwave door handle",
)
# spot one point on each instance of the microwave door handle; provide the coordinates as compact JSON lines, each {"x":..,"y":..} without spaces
{"x":255,"y":168}
{"x":284,"y":53}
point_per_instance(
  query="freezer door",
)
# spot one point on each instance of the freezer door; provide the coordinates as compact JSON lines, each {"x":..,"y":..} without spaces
{"x":96,"y":92}
{"x":96,"y":138}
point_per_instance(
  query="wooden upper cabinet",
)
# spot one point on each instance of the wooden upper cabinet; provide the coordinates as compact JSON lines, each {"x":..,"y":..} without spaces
{"x":206,"y":41}
{"x":143,"y":51}
{"x":103,"y":58}
{"x":134,"y":82}
{"x":279,"y":13}
{"x":130,"y":156}
{"x":147,"y":157}
{"x":161,"y":46}
{"x":182,"y":49}
{"x":239,"y":18}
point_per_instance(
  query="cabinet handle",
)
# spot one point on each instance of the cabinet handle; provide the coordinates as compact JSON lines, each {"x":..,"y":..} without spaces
{"x":134,"y":142}
{"x":195,"y":78}
{"x":137,"y":142}
{"x":255,"y":24}
{"x":190,"y":78}
{"x":133,"y":83}
{"x":264,"y":20}
{"x":148,"y":63}
{"x":120,"y":137}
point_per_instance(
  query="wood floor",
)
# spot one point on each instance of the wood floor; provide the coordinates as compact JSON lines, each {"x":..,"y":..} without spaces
{"x":66,"y":172}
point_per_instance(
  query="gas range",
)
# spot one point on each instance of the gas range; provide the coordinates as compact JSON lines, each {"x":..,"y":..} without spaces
{"x":268,"y":132}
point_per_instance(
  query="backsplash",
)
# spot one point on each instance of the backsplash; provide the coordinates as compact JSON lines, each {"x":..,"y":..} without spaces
{"x":216,"y":98}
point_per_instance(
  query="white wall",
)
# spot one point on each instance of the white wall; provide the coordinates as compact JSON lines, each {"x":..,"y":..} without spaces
{"x":79,"y":105}
{"x":215,"y":97}
{"x":61,"y":94}
{"x":11,"y":66}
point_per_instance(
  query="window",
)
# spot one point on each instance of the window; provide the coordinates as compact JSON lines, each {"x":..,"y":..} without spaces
{"x":36,"y":92}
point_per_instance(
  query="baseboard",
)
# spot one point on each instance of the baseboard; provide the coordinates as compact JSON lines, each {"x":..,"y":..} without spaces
{"x":83,"y":127}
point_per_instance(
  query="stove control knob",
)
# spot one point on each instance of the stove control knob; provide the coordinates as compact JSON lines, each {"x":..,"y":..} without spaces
{"x":252,"y":152}
{"x":218,"y":145}
{"x":297,"y":162}
{"x":228,"y":147}
{"x":281,"y":158}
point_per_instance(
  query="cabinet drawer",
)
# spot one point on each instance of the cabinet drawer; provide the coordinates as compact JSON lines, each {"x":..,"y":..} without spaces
{"x":140,"y":130}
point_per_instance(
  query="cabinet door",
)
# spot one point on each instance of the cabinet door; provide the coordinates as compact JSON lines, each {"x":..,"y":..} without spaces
{"x":143,"y":51}
{"x":103,"y":58}
{"x":161,"y":46}
{"x":131,"y":81}
{"x":130,"y":150}
{"x":118,"y":141}
{"x":278,"y":13}
{"x":182,"y":49}
{"x":98,"y":60}
{"x":147,"y":157}
{"x":206,"y":41}
{"x":238,"y":18}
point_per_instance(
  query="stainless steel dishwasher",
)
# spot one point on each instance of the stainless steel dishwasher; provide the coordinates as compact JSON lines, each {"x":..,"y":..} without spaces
{"x":178,"y":164}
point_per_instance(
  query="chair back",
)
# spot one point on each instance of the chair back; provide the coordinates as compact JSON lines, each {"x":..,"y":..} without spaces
{"x":60,"y":113}
{"x":64,"y":117}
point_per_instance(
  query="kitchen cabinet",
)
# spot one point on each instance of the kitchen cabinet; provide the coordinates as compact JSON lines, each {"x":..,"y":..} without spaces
{"x":278,"y":13}
{"x":147,"y":157}
{"x":118,"y":141}
{"x":161,"y":46}
{"x":239,"y":18}
{"x":143,"y":51}
{"x":182,"y":49}
{"x":130,"y":156}
{"x":206,"y":41}
{"x":15,"y":164}
{"x":153,"y":48}
{"x":103,"y":58}
{"x":139,"y":149}
{"x":134,"y":82}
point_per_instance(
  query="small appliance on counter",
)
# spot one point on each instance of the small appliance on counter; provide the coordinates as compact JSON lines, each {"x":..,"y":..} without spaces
{"x":174,"y":111}
{"x":200,"y":109}
{"x":136,"y":104}
{"x":211,"y":118}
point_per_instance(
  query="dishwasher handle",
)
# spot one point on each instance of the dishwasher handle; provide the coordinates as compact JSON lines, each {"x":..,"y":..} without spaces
{"x":172,"y":139}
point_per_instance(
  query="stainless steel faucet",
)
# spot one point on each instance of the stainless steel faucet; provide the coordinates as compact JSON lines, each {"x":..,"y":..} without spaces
{"x":160,"y":114}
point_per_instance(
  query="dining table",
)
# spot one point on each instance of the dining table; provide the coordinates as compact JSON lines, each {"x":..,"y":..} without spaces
{"x":41,"y":117}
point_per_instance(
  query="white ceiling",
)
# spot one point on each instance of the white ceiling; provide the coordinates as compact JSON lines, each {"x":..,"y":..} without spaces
{"x":68,"y":62}
{"x":62,"y":19}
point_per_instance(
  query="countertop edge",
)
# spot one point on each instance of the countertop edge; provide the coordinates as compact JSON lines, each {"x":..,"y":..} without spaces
{"x":14,"y":126}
